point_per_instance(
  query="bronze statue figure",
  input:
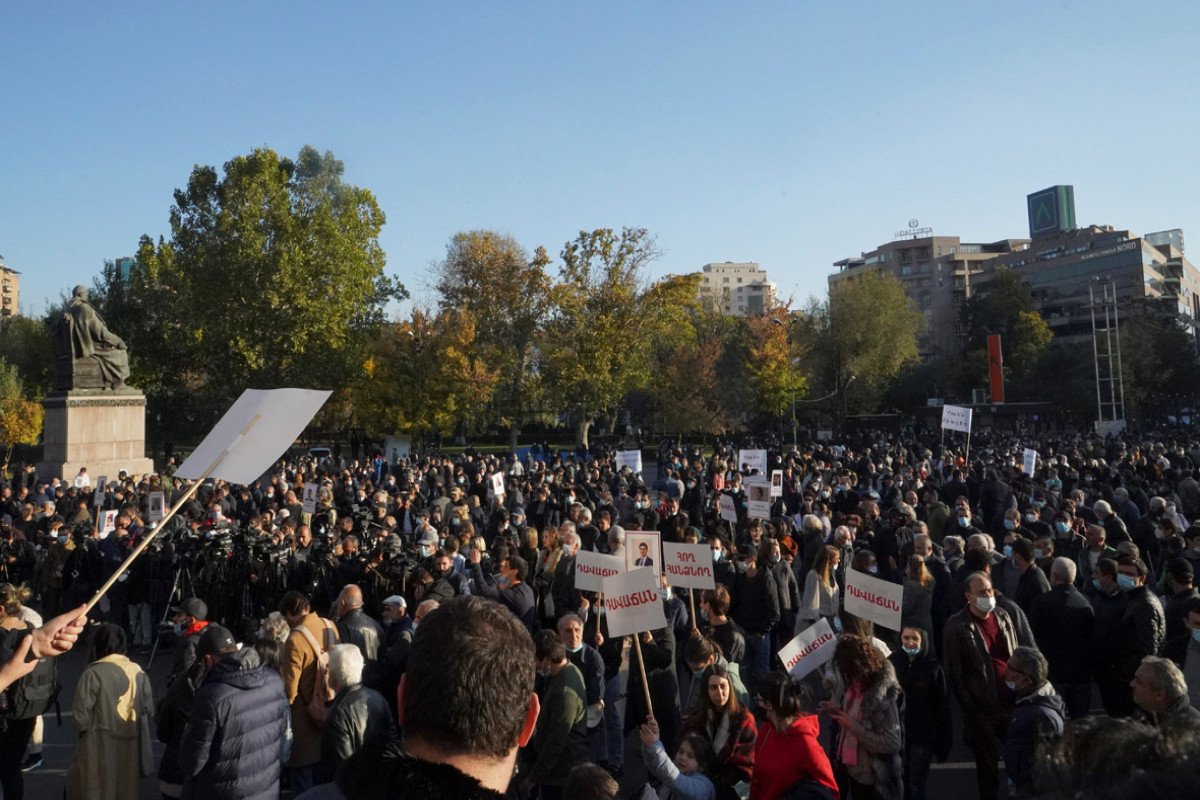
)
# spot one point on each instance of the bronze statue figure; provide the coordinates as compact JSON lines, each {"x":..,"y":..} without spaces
{"x":90,"y":356}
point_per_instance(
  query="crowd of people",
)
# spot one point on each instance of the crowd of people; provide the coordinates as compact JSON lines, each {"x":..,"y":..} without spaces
{"x":416,"y":630}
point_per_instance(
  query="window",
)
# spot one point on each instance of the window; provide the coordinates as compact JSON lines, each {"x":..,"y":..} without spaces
{"x":725,"y":279}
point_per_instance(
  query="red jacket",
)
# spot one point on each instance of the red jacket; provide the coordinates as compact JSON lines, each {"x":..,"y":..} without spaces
{"x":781,"y":760}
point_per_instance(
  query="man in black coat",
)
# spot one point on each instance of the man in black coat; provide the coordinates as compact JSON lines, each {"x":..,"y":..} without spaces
{"x":1062,"y":621}
{"x":359,"y":716}
{"x":508,"y":587}
{"x":356,"y":628}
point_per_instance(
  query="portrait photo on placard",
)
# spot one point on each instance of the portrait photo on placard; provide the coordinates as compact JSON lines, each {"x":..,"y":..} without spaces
{"x":642,"y":550}
{"x":758,"y":491}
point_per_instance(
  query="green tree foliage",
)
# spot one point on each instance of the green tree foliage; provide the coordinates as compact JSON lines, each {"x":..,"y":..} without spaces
{"x":598,"y":341}
{"x":273,"y":276}
{"x":1005,"y":308}
{"x":1159,"y":365}
{"x":421,"y":377}
{"x":28,"y":346}
{"x":771,"y":363}
{"x":20,"y":418}
{"x":507,"y":293}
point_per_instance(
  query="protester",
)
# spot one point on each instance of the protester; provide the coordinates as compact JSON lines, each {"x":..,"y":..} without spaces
{"x":787,"y":757}
{"x":311,"y":637}
{"x":359,"y":716}
{"x":1161,"y":693}
{"x":112,"y":711}
{"x":728,"y":726}
{"x":1039,"y":713}
{"x":927,"y":719}
{"x":684,"y":778}
{"x":561,"y":740}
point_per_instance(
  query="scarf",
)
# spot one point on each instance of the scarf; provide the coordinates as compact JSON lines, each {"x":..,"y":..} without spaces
{"x":848,"y":750}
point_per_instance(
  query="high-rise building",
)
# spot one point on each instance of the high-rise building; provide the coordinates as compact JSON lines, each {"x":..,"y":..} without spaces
{"x":738,"y":288}
{"x":939,"y":273}
{"x":123,"y":266}
{"x":10,"y":291}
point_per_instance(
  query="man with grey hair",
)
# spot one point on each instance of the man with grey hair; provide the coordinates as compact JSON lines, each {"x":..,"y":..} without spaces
{"x":616,"y":541}
{"x":1114,"y":527}
{"x":358,"y":717}
{"x":1161,"y":693}
{"x":1038,"y":713}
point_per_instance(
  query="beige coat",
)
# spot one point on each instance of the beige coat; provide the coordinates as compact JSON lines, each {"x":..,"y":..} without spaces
{"x":112,"y":711}
{"x":299,"y":672}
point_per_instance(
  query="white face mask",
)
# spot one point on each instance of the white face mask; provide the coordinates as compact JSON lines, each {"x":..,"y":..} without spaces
{"x":985,"y":604}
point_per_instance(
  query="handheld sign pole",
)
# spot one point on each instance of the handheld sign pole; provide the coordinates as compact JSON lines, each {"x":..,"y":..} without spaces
{"x":692,"y":603}
{"x":637,"y":643}
{"x":137,"y":551}
{"x":599,"y":605}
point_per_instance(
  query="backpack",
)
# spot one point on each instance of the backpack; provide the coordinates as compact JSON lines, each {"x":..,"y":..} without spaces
{"x":34,"y":694}
{"x":318,"y":704}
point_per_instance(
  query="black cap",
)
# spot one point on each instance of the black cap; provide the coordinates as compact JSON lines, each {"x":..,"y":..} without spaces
{"x":193,"y":607}
{"x":214,"y":641}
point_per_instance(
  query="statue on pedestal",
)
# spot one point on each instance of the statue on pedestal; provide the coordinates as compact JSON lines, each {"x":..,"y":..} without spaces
{"x":88,"y":355}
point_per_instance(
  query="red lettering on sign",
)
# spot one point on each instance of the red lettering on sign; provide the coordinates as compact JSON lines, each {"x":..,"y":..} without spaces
{"x":873,"y":599}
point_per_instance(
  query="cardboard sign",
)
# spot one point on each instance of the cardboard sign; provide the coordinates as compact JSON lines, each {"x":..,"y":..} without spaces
{"x":689,"y":565}
{"x":728,"y":508}
{"x":631,"y":459}
{"x":776,"y":483}
{"x":1030,"y":462}
{"x":496,"y":485}
{"x":157,"y":508}
{"x":254,"y":432}
{"x":642,"y":550}
{"x":632,"y":603}
{"x":108,"y":522}
{"x":874,"y":599}
{"x":751,"y":460}
{"x":98,"y":494}
{"x":592,"y":568}
{"x":758,"y":498}
{"x":310,"y":498}
{"x":812,"y":648}
{"x":956,"y":418}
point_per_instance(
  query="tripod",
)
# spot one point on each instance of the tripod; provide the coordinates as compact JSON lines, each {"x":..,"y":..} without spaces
{"x":181,"y":571}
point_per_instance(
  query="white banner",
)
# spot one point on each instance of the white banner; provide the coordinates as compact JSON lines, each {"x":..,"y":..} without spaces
{"x":956,"y":418}
{"x":631,"y":459}
{"x":812,"y":648}
{"x":776,"y":483}
{"x":873,"y":599}
{"x":1030,"y":465}
{"x":642,"y":550}
{"x":632,"y":604}
{"x":496,"y":485}
{"x":592,"y":568}
{"x":108,"y":522}
{"x":758,"y":509}
{"x":728,"y":508}
{"x":158,"y":507}
{"x":310,"y":498}
{"x":689,"y":565}
{"x":750,"y":460}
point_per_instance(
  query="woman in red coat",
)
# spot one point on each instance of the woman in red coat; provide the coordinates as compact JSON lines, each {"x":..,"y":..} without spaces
{"x":787,"y":756}
{"x":730,"y":728}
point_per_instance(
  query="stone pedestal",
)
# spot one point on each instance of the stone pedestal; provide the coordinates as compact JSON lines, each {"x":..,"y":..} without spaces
{"x":102,"y":430}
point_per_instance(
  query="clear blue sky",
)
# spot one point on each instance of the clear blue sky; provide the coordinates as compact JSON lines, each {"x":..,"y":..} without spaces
{"x":792,"y":134}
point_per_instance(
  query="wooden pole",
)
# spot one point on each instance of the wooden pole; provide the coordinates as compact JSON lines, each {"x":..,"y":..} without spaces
{"x":637,"y":643}
{"x":112,"y":579}
{"x":692,"y":603}
{"x":599,"y":604}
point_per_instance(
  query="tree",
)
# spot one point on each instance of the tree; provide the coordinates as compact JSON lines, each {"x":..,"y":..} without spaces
{"x":20,"y":418}
{"x":771,"y":365}
{"x":1159,"y":365}
{"x":864,"y":335}
{"x":599,"y":337}
{"x":1006,"y":308}
{"x":273,"y":276}
{"x":28,"y":346}
{"x":421,"y":378}
{"x":507,"y":293}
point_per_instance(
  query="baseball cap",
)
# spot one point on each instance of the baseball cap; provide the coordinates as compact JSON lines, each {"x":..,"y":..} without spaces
{"x":428,"y":537}
{"x":1180,"y":568}
{"x":395,"y":600}
{"x":193,"y":607}
{"x":214,"y":639}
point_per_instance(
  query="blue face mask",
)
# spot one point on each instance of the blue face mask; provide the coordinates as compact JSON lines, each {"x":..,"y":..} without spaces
{"x":913,"y":651}
{"x":1126,"y":582}
{"x":873,"y":569}
{"x":1007,"y":549}
{"x":1196,"y":634}
{"x":1062,"y":527}
{"x":1009,"y":525}
{"x":716,"y":555}
{"x":1096,"y":584}
{"x":964,"y":522}
{"x":575,"y":649}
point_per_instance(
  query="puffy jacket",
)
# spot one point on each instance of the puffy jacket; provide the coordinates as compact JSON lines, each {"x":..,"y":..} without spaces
{"x":1141,"y":632}
{"x":234,"y":741}
{"x":782,"y":760}
{"x":358,"y":717}
{"x":1035,"y":716}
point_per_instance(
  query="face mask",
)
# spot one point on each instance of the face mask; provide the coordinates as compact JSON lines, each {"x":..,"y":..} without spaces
{"x":1096,"y":584}
{"x":837,"y":625}
{"x":985,"y":604}
{"x":965,"y":522}
{"x":1007,"y":549}
{"x":1009,"y":525}
{"x":1196,"y":635}
{"x":716,"y":555}
{"x":543,"y":673}
{"x":1037,"y":503}
{"x":873,"y":569}
{"x":913,"y":651}
{"x":1012,"y":687}
{"x":426,"y":551}
{"x":776,"y":558}
{"x":575,"y":649}
{"x":664,"y":594}
{"x":1031,"y":517}
{"x":1054,"y":483}
{"x":1126,"y":582}
{"x":62,"y":538}
{"x":704,"y":615}
{"x":824,"y":494}
{"x":179,"y":628}
{"x":1062,"y":527}
{"x":1039,"y":553}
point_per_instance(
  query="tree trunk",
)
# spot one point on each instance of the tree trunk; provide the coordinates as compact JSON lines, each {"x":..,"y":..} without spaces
{"x":514,"y":433}
{"x":581,"y":432}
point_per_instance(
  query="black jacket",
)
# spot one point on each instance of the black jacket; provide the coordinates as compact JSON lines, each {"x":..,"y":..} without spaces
{"x":1035,"y":717}
{"x":358,"y":629}
{"x":391,"y":774}
{"x":358,"y":717}
{"x":1141,"y":632}
{"x":517,"y":599}
{"x":234,"y":740}
{"x":1063,"y":620}
{"x":927,"y":718}
{"x":756,"y":603}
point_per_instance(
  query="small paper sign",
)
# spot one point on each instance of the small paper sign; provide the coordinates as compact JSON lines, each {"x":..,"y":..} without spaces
{"x":310,"y":498}
{"x":632,"y":603}
{"x":812,"y":648}
{"x":874,"y":599}
{"x":108,"y":522}
{"x":776,"y":483}
{"x":728,"y":508}
{"x":751,"y":460}
{"x":642,"y":550}
{"x":631,"y":459}
{"x":98,"y":494}
{"x":592,"y":568}
{"x":496,"y":484}
{"x":758,"y":499}
{"x":1030,"y":462}
{"x":157,"y":508}
{"x":956,"y":418}
{"x":689,"y":565}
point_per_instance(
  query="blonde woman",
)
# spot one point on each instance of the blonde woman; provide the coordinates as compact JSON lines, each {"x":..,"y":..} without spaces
{"x":821,"y":596}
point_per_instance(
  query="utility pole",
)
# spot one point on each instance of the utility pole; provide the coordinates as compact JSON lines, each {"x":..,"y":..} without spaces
{"x":1106,"y":351}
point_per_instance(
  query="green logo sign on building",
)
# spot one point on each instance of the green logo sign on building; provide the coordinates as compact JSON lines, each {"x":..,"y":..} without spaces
{"x":1051,"y":211}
